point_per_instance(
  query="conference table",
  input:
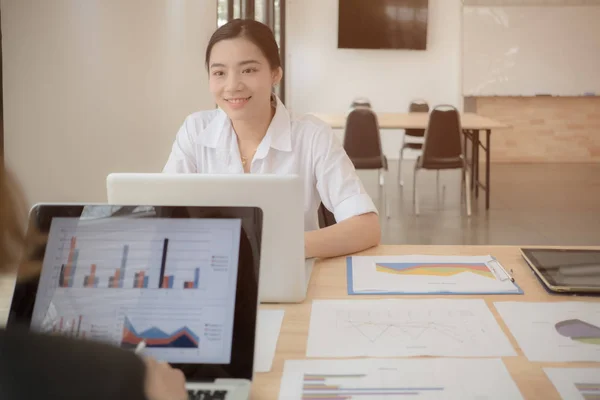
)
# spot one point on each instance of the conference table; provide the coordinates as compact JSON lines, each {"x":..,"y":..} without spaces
{"x":472,"y":124}
{"x":328,"y":281}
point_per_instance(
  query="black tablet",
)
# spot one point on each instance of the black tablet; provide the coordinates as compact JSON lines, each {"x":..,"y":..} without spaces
{"x":566,"y":270}
{"x":184,"y":280}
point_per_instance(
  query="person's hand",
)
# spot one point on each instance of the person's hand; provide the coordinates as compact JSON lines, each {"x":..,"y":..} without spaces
{"x":163,"y":382}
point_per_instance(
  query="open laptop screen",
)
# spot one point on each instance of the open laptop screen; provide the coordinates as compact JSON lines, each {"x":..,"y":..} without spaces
{"x":165,"y":277}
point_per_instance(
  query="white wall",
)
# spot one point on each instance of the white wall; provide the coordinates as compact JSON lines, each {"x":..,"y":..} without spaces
{"x":320,"y":77}
{"x":98,"y":86}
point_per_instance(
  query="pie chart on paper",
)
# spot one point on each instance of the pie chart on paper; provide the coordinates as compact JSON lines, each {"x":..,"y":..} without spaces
{"x":579,"y":331}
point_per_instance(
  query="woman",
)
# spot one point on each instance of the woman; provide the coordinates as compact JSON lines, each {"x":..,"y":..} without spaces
{"x":36,"y":366}
{"x":252,"y":132}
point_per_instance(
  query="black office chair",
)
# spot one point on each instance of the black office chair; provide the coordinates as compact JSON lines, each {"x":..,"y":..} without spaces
{"x":443,"y":150}
{"x":326,"y":217}
{"x":415,"y":106}
{"x":360,"y":102}
{"x":362,"y":143}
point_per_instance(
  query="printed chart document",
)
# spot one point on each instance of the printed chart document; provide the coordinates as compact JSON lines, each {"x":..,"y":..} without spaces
{"x":424,"y":274}
{"x":459,"y":379}
{"x":268,"y":327}
{"x":554,"y":332}
{"x":576,"y":383}
{"x":400,"y":328}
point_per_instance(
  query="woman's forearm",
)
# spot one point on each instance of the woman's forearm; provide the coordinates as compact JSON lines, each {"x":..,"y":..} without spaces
{"x":347,"y":237}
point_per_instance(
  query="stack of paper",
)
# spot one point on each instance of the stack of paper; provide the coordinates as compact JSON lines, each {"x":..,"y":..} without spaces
{"x":423,"y":274}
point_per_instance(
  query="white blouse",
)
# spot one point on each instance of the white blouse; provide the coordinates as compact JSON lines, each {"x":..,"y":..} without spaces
{"x":304,"y":146}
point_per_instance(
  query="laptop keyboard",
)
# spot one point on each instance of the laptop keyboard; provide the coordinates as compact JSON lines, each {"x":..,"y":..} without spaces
{"x":207,"y":394}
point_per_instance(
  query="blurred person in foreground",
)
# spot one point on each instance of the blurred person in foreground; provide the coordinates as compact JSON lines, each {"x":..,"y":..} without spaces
{"x":34,"y":365}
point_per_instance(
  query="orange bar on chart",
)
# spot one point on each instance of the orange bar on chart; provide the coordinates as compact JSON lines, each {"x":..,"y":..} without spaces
{"x":116,"y":280}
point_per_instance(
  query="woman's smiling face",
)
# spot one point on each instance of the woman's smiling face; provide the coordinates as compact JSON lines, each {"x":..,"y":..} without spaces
{"x":241,"y":79}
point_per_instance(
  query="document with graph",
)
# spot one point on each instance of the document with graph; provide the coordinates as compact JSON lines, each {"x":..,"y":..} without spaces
{"x":576,"y":383}
{"x":424,"y":274}
{"x":401,"y":328}
{"x":448,"y":379}
{"x":168,"y":282}
{"x":554,"y":331}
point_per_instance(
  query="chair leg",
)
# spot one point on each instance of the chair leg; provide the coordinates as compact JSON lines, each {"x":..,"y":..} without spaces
{"x":384,"y":197}
{"x":415,"y":193}
{"x":401,"y":158}
{"x":468,"y":190}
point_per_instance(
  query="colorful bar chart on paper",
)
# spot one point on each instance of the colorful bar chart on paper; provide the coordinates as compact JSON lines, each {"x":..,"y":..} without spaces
{"x":367,"y":378}
{"x":576,"y":383}
{"x":589,"y":391}
{"x":154,"y":336}
{"x":316,"y":387}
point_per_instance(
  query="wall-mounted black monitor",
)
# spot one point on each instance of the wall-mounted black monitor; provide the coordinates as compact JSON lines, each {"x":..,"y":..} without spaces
{"x":383,"y":24}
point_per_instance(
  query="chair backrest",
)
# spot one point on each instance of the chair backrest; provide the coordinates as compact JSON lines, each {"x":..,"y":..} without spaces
{"x":360,"y":102}
{"x":326,"y":217}
{"x":443,"y":138}
{"x":417,"y":106}
{"x":361,"y":136}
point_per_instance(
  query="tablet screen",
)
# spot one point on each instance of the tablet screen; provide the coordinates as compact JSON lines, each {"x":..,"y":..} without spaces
{"x":567,"y":267}
{"x":168,"y":282}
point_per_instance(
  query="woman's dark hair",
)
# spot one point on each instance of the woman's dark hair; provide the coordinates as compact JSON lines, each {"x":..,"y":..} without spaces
{"x":256,"y":32}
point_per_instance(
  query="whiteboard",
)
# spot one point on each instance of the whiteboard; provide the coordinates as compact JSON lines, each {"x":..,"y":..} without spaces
{"x":528,"y":51}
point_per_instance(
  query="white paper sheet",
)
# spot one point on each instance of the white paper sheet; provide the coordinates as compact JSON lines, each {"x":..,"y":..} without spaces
{"x":388,"y":379}
{"x":387,"y":328}
{"x":559,"y":331}
{"x":430,"y":274}
{"x":268,"y":327}
{"x":575,"y":383}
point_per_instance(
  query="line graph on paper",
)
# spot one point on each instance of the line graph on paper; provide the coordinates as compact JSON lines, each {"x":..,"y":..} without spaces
{"x":405,"y":328}
{"x":372,"y":325}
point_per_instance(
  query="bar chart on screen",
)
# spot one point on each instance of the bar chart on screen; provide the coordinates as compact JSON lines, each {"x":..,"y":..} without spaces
{"x":81,"y":326}
{"x":137,"y":259}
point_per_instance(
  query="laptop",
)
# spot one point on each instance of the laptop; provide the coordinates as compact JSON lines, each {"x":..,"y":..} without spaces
{"x":184,"y":280}
{"x":285,"y":273}
{"x":569,"y":271}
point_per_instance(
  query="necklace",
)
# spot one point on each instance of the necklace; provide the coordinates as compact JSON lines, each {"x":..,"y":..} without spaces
{"x":245,"y":159}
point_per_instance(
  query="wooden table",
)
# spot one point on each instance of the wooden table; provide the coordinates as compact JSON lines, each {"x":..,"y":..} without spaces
{"x":472,"y":125}
{"x":329,"y":282}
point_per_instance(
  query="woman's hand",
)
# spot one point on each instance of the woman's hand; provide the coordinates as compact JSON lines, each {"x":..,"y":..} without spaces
{"x":163,"y":382}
